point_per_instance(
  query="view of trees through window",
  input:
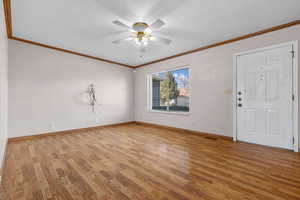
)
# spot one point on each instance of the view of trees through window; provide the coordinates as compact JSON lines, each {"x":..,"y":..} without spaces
{"x":170,"y":91}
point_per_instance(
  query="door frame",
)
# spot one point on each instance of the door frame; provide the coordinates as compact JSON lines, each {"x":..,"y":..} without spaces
{"x":295,"y":88}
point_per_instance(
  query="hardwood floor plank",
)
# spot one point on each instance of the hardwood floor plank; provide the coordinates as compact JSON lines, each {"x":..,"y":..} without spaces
{"x":147,"y":163}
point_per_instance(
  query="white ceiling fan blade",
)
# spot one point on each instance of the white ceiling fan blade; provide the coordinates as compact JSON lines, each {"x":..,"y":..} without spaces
{"x":118,"y":23}
{"x":122,"y":40}
{"x":163,"y":40}
{"x":157,"y":24}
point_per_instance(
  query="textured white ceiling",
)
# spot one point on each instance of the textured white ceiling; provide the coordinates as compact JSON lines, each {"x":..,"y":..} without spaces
{"x":86,"y":26}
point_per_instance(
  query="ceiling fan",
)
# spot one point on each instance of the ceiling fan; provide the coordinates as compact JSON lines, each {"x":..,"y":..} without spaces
{"x":142,"y":33}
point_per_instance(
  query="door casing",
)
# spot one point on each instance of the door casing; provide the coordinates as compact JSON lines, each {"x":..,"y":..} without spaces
{"x":295,"y":89}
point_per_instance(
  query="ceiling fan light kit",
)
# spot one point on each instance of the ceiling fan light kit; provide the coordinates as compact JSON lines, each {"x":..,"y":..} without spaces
{"x":142,"y":33}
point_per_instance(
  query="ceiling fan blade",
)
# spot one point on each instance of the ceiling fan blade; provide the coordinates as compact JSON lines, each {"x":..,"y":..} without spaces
{"x":163,"y":40}
{"x":118,"y":23}
{"x":157,"y":24}
{"x":122,"y":40}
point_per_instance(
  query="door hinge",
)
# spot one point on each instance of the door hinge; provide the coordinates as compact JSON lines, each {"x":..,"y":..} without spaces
{"x":293,"y":53}
{"x":293,"y":140}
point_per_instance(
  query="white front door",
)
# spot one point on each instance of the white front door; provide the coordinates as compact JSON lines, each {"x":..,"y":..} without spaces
{"x":264,"y":97}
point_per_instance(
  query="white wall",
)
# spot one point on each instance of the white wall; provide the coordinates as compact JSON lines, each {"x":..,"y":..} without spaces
{"x":211,"y":84}
{"x":47,"y":91}
{"x":3,"y":84}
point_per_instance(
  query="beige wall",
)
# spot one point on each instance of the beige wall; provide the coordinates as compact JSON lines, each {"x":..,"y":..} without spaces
{"x":46,"y":88}
{"x":47,"y":91}
{"x":3,"y":84}
{"x":211,"y":84}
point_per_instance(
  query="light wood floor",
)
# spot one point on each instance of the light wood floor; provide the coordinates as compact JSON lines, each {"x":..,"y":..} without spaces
{"x":139,"y":162}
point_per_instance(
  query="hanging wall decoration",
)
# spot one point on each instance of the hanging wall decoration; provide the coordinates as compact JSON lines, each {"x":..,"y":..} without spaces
{"x":92,"y":97}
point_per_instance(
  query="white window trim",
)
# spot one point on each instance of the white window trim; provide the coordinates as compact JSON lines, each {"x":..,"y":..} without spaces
{"x":149,"y":92}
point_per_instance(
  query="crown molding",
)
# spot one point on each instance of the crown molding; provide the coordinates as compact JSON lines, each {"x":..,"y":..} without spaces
{"x":9,"y":29}
{"x":8,"y":18}
{"x":68,"y":51}
{"x":243,"y":37}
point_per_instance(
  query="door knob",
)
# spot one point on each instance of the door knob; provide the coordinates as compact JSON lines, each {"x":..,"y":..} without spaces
{"x":239,"y":105}
{"x":239,"y":93}
{"x":239,"y":99}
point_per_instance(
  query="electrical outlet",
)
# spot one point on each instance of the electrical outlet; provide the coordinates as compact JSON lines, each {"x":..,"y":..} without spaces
{"x":194,"y":123}
{"x":51,"y":125}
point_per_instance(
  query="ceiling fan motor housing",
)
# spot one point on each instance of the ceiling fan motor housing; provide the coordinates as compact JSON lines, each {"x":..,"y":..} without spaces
{"x":140,"y":26}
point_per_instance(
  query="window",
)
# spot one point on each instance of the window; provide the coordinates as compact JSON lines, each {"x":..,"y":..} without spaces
{"x":170,"y":91}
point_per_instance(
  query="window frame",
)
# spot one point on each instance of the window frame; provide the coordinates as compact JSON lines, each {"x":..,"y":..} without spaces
{"x":150,"y":92}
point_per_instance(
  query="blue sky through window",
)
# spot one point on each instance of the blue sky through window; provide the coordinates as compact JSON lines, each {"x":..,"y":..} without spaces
{"x":181,"y":77}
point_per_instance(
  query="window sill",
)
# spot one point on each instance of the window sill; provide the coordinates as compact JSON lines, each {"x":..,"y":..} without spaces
{"x":170,"y":112}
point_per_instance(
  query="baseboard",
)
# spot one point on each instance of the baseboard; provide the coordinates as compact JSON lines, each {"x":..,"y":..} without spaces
{"x":2,"y":164}
{"x":187,"y":131}
{"x":71,"y":131}
{"x":80,"y":130}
